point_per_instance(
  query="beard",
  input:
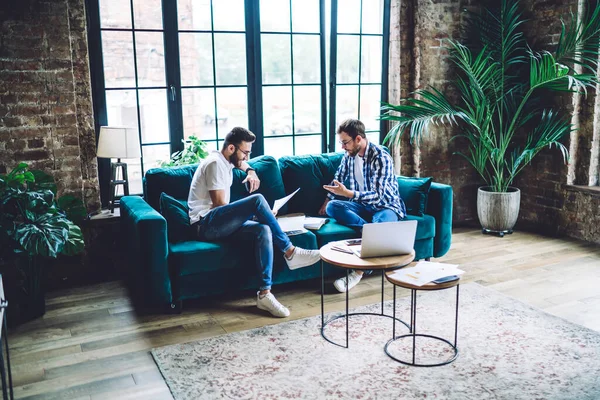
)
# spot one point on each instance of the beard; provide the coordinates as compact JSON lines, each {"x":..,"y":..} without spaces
{"x":235,"y":160}
{"x":354,"y":151}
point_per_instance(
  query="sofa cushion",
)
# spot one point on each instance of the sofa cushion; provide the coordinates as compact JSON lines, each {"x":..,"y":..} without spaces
{"x":309,"y":173}
{"x":271,"y":183}
{"x":174,"y":181}
{"x":178,"y":220}
{"x":333,"y":231}
{"x":414,"y":192}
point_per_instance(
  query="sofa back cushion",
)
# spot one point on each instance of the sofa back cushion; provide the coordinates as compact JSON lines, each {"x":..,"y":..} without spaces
{"x":176,"y":212}
{"x":309,"y":173}
{"x":414,"y":192}
{"x":271,"y":184}
{"x":174,"y":181}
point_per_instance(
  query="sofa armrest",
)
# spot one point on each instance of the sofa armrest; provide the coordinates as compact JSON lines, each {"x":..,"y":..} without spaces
{"x":439,"y":205}
{"x":145,"y":233}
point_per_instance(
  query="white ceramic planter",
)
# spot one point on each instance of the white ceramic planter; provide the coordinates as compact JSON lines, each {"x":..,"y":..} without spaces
{"x":498,"y":211}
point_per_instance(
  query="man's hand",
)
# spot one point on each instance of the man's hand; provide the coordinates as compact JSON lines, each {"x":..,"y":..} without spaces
{"x":324,"y":206}
{"x":339,"y":189}
{"x":253,"y":181}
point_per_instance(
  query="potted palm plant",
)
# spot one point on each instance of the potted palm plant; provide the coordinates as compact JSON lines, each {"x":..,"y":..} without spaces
{"x":35,"y":227}
{"x":501,"y":84}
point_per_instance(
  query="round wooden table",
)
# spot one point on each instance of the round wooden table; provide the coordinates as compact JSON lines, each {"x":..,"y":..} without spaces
{"x":413,"y":319}
{"x":352,"y":261}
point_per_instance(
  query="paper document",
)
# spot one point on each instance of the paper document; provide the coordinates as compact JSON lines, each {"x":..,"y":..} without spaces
{"x":314,"y":222}
{"x":281,"y":202}
{"x":425,"y":272}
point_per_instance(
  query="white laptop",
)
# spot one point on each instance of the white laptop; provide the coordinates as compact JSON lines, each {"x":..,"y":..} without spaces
{"x":387,"y":239}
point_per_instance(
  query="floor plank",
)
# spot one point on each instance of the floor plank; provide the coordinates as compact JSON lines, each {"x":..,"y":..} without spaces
{"x":94,"y":344}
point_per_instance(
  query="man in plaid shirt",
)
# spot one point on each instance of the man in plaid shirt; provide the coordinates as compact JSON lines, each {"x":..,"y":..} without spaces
{"x":372,"y":188}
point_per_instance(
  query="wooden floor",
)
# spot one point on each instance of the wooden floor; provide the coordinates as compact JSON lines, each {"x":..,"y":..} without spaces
{"x":93,"y":344}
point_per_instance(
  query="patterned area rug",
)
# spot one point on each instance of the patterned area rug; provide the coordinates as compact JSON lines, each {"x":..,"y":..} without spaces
{"x":508,"y":350}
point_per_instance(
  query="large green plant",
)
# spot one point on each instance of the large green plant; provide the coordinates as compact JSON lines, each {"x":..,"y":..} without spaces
{"x":33,"y":221}
{"x":501,"y":85}
{"x":191,"y":154}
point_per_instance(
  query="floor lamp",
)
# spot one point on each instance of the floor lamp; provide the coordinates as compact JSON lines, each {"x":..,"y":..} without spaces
{"x":116,"y":142}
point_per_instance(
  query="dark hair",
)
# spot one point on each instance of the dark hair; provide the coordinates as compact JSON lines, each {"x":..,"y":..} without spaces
{"x":239,"y":135}
{"x":353,"y":128}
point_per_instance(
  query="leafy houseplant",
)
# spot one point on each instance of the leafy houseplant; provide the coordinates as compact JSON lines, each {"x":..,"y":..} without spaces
{"x":34,"y":227}
{"x":191,"y":154}
{"x":501,"y":84}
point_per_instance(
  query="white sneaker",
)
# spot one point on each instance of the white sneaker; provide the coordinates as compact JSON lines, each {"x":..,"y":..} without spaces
{"x":302,"y":258}
{"x":353,"y":279}
{"x":269,"y":303}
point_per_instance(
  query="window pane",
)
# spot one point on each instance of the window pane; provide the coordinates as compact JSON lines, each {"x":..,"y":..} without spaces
{"x":230,"y":54}
{"x":214,"y":145}
{"x":194,"y":15}
{"x":370,"y":105}
{"x":147,"y":14}
{"x":229,"y":15}
{"x":274,"y":16}
{"x":347,"y":59}
{"x":115,"y":14}
{"x":150,"y":51}
{"x":232,"y":109}
{"x":348,"y":20}
{"x":346,"y":103}
{"x":279,"y":147}
{"x":310,"y":144}
{"x":199,"y":113}
{"x":154,"y":115}
{"x":117,"y":53}
{"x":195,"y":55}
{"x":305,"y":15}
{"x":307,"y":59}
{"x":121,"y":108}
{"x":371,"y":59}
{"x":373,"y":137}
{"x":372,"y":18}
{"x":277,"y":110}
{"x":154,"y":154}
{"x":276,"y":65}
{"x":307,"y":109}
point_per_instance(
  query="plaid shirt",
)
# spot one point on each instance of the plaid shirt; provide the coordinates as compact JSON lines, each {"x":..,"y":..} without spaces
{"x":381,"y":187}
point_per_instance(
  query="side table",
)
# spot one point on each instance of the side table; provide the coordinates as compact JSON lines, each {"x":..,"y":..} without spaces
{"x":413,"y":320}
{"x":351,"y":261}
{"x":6,"y":389}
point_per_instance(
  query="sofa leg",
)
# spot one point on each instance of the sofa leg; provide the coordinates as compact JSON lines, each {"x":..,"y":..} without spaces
{"x":427,"y":258}
{"x":175,"y":307}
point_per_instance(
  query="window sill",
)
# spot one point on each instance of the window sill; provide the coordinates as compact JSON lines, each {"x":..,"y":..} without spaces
{"x":592,"y":190}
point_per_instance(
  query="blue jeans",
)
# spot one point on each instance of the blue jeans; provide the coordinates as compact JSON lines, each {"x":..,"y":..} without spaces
{"x":355,"y":215}
{"x":233,"y":221}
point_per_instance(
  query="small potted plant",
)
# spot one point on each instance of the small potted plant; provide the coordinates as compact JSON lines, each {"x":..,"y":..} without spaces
{"x":35,"y":227}
{"x":191,"y":154}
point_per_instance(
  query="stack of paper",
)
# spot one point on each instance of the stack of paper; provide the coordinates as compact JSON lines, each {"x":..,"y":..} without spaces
{"x":425,"y":272}
{"x":314,"y":222}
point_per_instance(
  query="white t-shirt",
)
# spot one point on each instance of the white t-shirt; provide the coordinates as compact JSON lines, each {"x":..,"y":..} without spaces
{"x":358,"y":172}
{"x":215,"y":173}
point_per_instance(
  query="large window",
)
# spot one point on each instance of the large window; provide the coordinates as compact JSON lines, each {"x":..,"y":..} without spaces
{"x":290,"y":70}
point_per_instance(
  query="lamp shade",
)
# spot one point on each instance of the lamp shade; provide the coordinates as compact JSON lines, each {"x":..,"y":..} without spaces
{"x":117,"y":142}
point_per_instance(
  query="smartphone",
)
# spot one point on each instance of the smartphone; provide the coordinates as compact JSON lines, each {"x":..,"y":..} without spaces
{"x":353,"y":242}
{"x":446,"y":279}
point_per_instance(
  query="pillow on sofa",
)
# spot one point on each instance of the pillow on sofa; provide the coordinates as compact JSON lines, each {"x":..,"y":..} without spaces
{"x":414,"y":193}
{"x":178,"y":220}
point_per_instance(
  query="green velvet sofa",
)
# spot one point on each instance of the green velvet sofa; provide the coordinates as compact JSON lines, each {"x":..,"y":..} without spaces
{"x":170,"y":266}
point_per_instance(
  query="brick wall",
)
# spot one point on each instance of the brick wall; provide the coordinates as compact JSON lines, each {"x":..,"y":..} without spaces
{"x":46,"y":114}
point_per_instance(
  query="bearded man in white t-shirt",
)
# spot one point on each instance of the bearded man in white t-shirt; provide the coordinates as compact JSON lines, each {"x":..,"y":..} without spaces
{"x":215,"y":218}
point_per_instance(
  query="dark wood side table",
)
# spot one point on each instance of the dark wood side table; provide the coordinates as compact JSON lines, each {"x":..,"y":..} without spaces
{"x":4,"y":365}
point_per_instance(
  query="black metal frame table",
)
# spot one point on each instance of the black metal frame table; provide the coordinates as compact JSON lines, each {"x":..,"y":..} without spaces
{"x":351,"y":261}
{"x":413,"y":320}
{"x":6,"y":389}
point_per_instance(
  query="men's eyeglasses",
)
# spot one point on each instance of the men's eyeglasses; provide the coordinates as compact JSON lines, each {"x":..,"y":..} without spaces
{"x":246,"y":153}
{"x":345,"y":142}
